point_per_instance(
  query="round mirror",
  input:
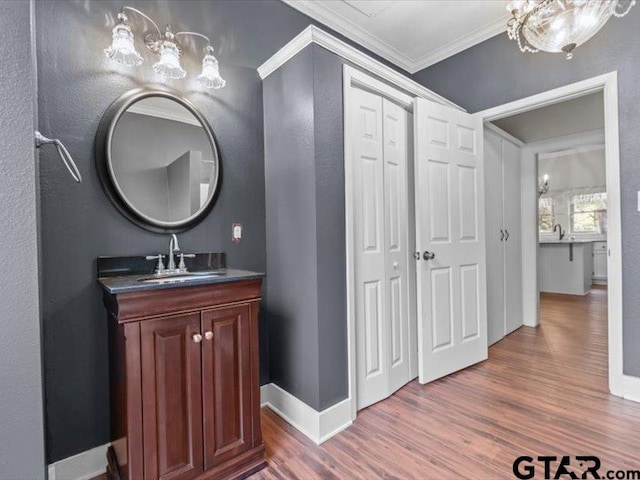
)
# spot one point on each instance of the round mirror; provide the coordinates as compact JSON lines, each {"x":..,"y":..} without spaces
{"x":158,"y":160}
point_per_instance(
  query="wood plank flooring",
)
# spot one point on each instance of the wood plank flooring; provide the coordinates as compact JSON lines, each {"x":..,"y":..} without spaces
{"x":543,"y":391}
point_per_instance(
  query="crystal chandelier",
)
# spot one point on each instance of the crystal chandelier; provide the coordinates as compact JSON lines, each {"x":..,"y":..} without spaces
{"x":560,"y":25}
{"x":123,"y":51}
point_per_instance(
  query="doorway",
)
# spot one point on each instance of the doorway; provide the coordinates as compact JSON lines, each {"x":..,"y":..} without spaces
{"x":531,"y":183}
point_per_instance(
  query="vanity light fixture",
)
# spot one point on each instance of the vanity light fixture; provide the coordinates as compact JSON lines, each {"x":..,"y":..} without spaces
{"x":543,"y":188}
{"x":560,"y":25}
{"x":166,"y":46}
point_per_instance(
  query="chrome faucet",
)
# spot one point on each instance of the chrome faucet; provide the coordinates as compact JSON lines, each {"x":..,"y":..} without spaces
{"x":174,"y":246}
{"x":558,"y":227}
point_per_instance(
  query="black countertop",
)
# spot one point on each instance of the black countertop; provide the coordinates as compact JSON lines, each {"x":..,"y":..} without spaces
{"x":132,"y":283}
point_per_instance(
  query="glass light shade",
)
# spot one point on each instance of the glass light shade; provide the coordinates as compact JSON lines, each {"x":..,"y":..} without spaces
{"x":169,"y":63}
{"x":560,"y":25}
{"x":122,"y":49}
{"x":210,"y":76}
{"x":563,"y":25}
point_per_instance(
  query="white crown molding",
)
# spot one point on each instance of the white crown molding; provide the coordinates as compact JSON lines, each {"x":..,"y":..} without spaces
{"x":354,"y":32}
{"x":502,"y":133}
{"x":473,"y":38}
{"x":313,"y":34}
{"x":318,"y":426}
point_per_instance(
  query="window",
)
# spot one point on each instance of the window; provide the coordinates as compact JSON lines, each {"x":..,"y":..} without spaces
{"x":589,"y":213}
{"x":545,"y":215}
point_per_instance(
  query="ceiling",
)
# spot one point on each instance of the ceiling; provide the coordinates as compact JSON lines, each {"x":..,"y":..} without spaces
{"x":412,"y":34}
{"x":579,"y":115}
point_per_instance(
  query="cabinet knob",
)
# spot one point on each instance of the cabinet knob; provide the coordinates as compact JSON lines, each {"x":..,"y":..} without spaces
{"x":208,"y":335}
{"x":197,"y":337}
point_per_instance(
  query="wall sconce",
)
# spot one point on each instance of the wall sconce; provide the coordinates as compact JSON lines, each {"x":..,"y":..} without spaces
{"x":166,"y":46}
{"x":543,"y":187}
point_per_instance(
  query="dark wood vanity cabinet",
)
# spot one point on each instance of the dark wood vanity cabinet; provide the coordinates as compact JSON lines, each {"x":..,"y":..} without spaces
{"x":185,"y":382}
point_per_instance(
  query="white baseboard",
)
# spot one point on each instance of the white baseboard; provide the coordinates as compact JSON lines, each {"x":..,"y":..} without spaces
{"x":631,"y":387}
{"x":318,"y":426}
{"x":83,"y":466}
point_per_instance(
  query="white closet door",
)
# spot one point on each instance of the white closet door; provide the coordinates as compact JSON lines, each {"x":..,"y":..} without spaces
{"x":495,"y":236}
{"x":396,"y":242}
{"x":450,"y":225}
{"x":372,"y":358}
{"x":513,"y":237}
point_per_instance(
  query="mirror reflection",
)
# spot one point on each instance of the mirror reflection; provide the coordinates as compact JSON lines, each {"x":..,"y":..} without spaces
{"x":162,"y":161}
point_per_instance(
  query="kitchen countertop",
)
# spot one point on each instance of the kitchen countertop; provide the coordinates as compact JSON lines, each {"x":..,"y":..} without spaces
{"x":567,"y":242}
{"x":132,"y":283}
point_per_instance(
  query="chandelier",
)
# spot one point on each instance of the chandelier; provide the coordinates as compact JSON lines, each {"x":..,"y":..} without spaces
{"x":165,"y":45}
{"x":560,"y":25}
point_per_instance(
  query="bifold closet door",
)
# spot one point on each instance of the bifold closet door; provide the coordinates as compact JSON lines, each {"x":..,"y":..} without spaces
{"x":396,"y":200}
{"x":513,"y":238}
{"x":379,"y":132}
{"x":495,"y":237}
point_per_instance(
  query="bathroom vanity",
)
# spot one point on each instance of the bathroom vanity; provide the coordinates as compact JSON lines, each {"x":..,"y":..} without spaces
{"x":566,"y":266}
{"x":184,"y":372}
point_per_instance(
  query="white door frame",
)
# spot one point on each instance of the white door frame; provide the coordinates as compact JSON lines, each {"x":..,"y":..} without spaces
{"x":353,"y":77}
{"x":608,"y":84}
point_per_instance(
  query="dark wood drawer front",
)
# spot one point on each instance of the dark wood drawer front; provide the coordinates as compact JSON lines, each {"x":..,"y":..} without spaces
{"x":226,"y":370}
{"x":128,"y":307}
{"x":171,"y":396}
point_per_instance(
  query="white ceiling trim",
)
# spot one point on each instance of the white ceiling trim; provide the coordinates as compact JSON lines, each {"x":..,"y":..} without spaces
{"x":313,"y":34}
{"x":354,"y":32}
{"x":473,"y":38}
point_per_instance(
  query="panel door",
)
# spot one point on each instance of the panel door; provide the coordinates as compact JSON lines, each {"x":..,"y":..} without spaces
{"x":372,"y":356}
{"x":495,"y":237}
{"x":396,"y":221}
{"x":226,"y":383}
{"x":511,"y":165}
{"x":450,"y":232}
{"x":171,"y":397}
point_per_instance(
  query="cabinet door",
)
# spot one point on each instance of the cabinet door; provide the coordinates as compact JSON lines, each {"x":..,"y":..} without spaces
{"x":226,"y":383}
{"x":171,"y":397}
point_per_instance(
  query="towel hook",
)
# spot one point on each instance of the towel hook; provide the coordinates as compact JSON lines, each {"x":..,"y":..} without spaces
{"x":63,"y":152}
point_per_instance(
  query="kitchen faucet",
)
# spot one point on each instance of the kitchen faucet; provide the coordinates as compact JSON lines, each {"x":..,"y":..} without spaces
{"x":558,"y":227}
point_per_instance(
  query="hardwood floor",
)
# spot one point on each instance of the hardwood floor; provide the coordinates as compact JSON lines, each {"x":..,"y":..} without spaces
{"x":543,"y":391}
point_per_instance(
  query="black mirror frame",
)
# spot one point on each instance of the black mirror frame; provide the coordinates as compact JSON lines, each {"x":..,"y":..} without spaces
{"x":102,"y":151}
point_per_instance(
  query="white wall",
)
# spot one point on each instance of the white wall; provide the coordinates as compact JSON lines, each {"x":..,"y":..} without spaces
{"x":583,"y":167}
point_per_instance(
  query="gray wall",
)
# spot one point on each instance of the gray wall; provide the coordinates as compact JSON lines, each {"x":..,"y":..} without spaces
{"x":304,"y":175}
{"x":78,"y":223}
{"x":21,"y":412}
{"x":292,"y":285}
{"x":495,"y":72}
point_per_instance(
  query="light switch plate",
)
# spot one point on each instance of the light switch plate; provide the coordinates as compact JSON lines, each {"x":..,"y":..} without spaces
{"x":236,"y":230}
